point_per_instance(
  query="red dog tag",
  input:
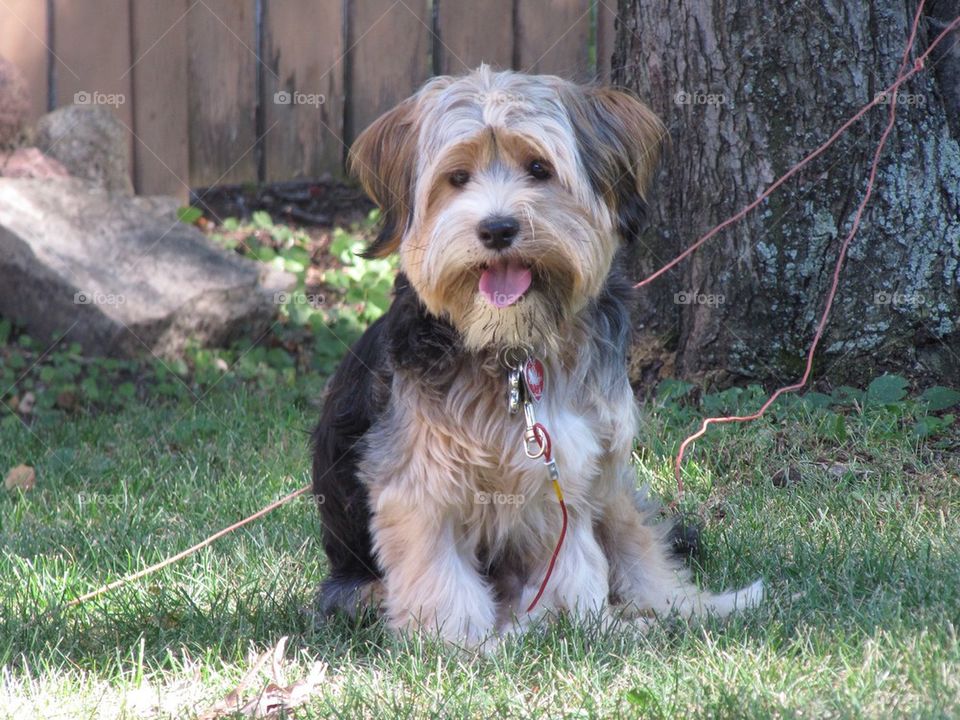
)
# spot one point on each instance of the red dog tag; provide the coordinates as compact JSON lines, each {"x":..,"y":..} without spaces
{"x":533,"y":378}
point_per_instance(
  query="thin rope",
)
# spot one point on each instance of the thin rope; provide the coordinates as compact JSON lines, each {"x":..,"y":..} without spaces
{"x":189,"y":551}
{"x":831,"y":295}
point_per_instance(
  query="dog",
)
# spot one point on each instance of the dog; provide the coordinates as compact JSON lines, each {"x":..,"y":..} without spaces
{"x":512,"y":200}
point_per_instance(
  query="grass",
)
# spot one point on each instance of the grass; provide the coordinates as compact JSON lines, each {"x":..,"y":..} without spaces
{"x":846,"y":504}
{"x":858,"y":545}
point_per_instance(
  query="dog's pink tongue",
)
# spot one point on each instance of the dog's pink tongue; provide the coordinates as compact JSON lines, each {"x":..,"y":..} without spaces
{"x":503,"y":283}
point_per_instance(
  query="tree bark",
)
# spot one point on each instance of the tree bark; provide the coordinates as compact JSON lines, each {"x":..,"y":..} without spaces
{"x":746,"y":90}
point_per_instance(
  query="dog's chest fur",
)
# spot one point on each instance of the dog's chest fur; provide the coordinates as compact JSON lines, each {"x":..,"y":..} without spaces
{"x":447,"y":418}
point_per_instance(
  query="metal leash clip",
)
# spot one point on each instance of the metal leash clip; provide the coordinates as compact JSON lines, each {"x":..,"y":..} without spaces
{"x":532,"y":376}
{"x":533,"y":445}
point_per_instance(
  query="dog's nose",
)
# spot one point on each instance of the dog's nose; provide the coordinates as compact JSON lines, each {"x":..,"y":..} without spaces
{"x":498,"y":232}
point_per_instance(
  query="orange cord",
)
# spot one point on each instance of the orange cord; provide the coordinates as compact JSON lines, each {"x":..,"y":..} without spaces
{"x":189,"y":551}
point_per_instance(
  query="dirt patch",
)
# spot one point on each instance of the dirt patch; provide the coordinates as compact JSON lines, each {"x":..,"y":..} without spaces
{"x":314,"y":203}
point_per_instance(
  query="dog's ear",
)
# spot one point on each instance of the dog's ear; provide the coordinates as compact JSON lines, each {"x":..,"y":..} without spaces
{"x":620,"y":140}
{"x":382,"y":159}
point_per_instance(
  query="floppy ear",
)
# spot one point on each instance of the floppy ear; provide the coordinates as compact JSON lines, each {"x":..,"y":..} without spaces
{"x":382,"y":159}
{"x":620,"y":140}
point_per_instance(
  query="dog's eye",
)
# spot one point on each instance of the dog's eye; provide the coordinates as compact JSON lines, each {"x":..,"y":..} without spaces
{"x":539,"y":170}
{"x":459,"y":178}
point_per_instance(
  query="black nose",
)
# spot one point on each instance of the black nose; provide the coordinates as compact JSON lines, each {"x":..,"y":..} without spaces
{"x":498,"y":232}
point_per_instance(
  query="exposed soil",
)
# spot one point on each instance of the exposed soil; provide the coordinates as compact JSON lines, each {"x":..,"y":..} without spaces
{"x":309,"y":203}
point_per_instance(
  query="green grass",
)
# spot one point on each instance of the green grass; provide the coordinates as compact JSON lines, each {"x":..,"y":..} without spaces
{"x":859,"y":551}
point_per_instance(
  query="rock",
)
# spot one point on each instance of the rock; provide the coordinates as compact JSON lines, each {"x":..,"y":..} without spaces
{"x":785,"y":477}
{"x":14,"y":103}
{"x":29,"y":163}
{"x":161,"y":206}
{"x":90,"y":142}
{"x":119,"y":277}
{"x":26,"y":403}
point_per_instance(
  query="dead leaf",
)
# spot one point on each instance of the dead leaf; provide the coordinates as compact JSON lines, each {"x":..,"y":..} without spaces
{"x":22,"y":477}
{"x":66,"y":400}
{"x":276,"y":696}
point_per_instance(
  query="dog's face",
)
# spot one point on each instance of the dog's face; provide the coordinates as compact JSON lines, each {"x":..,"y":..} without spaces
{"x":507,"y":196}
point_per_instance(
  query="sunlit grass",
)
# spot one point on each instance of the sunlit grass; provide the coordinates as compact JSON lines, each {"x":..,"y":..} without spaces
{"x":858,"y":547}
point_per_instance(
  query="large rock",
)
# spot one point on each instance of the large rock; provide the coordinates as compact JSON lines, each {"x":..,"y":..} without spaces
{"x":90,"y":142}
{"x":119,"y":276}
{"x":28,"y":162}
{"x":14,"y":103}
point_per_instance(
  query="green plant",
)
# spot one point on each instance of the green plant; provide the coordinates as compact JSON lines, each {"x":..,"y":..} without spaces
{"x":325,"y":316}
{"x":886,"y":403}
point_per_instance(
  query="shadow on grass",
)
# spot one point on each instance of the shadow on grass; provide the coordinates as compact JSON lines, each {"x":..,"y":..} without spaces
{"x":911,"y":592}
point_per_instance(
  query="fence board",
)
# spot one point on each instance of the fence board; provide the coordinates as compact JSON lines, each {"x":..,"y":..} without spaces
{"x":389,"y":44}
{"x":303,"y":63}
{"x":553,"y":36}
{"x":91,"y":41}
{"x":190,"y":85}
{"x":221,"y":43}
{"x":23,"y":41}
{"x":472,"y":33}
{"x":161,"y":148}
{"x":606,"y":38}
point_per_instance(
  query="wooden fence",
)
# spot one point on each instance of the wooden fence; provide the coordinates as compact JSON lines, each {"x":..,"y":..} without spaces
{"x":236,"y":91}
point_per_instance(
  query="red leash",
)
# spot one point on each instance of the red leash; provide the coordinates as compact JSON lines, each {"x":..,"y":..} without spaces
{"x":543,"y":440}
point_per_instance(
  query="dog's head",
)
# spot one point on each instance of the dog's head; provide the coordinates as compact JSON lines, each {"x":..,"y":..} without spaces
{"x":507,"y":196}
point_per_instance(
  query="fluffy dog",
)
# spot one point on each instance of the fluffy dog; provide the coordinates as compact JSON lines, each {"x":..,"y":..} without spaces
{"x":510,"y":199}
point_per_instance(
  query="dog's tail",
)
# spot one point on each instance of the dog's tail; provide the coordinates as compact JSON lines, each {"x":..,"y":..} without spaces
{"x":349,"y":595}
{"x":690,"y":602}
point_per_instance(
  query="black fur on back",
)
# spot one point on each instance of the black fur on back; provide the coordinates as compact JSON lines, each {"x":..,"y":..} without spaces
{"x":357,"y":394}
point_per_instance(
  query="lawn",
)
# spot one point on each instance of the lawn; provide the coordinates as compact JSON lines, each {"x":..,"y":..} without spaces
{"x":852,"y":524}
{"x":845,"y":502}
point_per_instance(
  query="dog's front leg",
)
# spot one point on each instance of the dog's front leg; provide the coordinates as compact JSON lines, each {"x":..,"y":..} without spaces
{"x":579,"y":583}
{"x":431,"y":579}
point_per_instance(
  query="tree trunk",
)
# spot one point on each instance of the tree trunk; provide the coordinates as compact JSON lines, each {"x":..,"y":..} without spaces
{"x":747,"y":89}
